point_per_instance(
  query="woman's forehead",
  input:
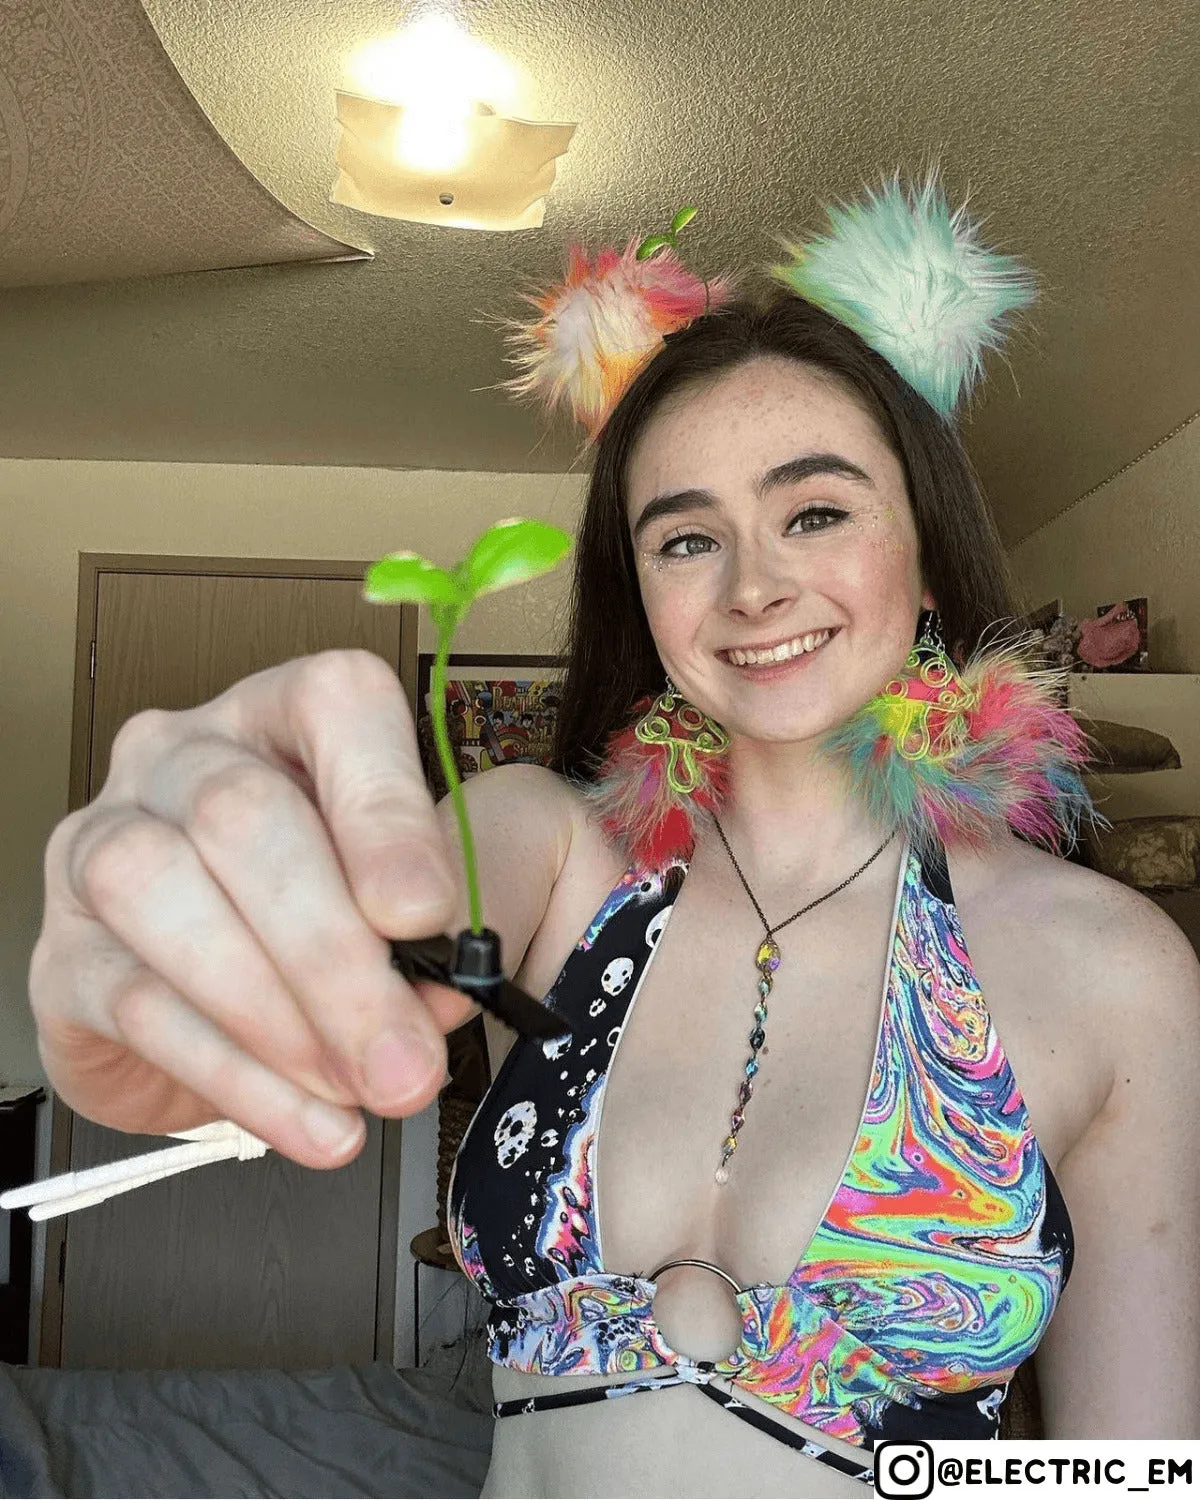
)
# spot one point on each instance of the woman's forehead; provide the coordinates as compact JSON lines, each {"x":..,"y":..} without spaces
{"x":748,"y":420}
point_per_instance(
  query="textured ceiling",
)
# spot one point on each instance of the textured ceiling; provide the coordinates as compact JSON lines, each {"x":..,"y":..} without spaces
{"x":107,"y":165}
{"x":1075,"y":126}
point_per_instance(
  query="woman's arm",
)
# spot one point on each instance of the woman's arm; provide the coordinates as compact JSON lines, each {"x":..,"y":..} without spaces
{"x":1122,"y":1356}
{"x":523,"y":817}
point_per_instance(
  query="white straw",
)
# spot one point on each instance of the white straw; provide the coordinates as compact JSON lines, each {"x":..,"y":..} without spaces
{"x":218,"y":1141}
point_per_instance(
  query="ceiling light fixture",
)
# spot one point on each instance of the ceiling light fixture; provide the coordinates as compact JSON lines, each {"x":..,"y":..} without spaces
{"x":426,"y":135}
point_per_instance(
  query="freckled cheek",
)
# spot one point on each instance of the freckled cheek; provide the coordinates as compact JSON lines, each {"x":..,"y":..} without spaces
{"x":890,"y":556}
{"x":676,"y":605}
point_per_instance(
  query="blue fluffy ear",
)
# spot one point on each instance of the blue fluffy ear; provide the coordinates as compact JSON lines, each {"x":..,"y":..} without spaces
{"x":913,"y":281}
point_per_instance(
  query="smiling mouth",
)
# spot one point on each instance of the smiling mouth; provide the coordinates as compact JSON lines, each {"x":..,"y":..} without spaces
{"x":800,"y":645}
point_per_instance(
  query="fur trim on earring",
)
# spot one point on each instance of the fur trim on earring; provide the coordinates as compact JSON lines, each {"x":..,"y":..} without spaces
{"x":657,"y":773}
{"x":957,"y":756}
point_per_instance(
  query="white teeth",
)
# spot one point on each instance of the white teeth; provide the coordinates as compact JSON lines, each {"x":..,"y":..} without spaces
{"x":783,"y":652}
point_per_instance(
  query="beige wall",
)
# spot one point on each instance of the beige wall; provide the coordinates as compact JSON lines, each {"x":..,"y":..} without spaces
{"x":1138,"y":535}
{"x":52,"y":511}
{"x":1141,"y":533}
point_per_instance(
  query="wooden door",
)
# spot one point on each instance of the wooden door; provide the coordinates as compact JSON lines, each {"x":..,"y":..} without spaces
{"x":235,"y":1265}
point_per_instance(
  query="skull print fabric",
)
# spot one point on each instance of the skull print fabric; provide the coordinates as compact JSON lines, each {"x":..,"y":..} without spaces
{"x":544,"y":1142}
{"x":514,"y":1132}
{"x":937,"y":1266}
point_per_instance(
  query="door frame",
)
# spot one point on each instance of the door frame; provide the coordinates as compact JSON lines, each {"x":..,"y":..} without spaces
{"x":91,"y":566}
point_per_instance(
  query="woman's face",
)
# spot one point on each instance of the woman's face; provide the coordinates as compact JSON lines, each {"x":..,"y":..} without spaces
{"x":768,"y":514}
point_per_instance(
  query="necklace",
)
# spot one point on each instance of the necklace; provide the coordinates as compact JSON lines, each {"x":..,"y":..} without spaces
{"x":766,"y":961}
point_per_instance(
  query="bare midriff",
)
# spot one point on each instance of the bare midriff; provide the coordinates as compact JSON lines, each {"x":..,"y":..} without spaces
{"x":670,"y":1442}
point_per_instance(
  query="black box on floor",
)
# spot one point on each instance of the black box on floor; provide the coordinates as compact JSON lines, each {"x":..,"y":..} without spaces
{"x":18,"y":1149}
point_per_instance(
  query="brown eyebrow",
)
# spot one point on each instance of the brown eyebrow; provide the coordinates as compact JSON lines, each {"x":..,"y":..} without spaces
{"x":794,"y":471}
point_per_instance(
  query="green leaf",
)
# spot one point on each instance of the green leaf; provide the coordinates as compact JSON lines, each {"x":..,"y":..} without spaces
{"x":684,"y":216}
{"x":405,"y":578}
{"x":510,"y":552}
{"x":651,"y":243}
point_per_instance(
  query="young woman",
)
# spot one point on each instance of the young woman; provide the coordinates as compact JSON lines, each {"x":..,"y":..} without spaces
{"x":970,"y":1067}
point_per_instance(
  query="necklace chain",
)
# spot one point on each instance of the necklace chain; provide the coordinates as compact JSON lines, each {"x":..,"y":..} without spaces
{"x":766,"y":961}
{"x":779,"y":926}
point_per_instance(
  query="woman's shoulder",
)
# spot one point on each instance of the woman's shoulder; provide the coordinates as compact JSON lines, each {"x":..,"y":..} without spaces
{"x":546,"y":867}
{"x":545,"y":802}
{"x":519,"y":805}
{"x":1107,"y":947}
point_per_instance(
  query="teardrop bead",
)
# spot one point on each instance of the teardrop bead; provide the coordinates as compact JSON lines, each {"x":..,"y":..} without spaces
{"x":767,"y":957}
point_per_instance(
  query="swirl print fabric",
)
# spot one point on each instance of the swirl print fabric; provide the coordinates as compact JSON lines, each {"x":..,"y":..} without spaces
{"x":934,"y":1271}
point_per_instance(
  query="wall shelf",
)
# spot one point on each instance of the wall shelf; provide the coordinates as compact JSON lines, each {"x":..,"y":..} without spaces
{"x":1166,"y":702}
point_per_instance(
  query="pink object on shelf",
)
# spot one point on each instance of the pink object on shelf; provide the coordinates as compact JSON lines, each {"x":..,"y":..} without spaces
{"x":1111,"y":639}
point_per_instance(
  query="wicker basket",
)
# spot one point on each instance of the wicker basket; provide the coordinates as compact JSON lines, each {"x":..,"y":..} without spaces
{"x":457,"y":1103}
{"x":1021,"y":1414}
{"x":454,"y":1115}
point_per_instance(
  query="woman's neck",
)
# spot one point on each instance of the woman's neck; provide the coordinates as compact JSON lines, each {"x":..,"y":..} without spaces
{"x":791,"y":809}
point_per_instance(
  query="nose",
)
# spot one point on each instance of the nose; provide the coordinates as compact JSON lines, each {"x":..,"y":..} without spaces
{"x":757,"y":583}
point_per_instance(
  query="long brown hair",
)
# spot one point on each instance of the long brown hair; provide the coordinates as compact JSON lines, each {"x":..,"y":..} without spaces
{"x":611,"y":656}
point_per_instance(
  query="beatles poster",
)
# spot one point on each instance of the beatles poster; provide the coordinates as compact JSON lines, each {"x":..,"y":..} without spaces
{"x":499,"y":709}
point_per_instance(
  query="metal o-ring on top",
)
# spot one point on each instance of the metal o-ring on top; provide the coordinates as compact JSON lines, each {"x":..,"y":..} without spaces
{"x":705,"y":1265}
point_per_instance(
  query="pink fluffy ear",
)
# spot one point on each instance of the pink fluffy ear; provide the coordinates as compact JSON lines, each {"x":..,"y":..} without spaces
{"x":600,"y":325}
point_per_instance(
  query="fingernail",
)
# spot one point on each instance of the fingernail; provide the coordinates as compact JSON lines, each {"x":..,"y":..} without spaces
{"x":415,"y":889}
{"x":429,"y":883}
{"x":328,"y":1128}
{"x":397,"y":1065}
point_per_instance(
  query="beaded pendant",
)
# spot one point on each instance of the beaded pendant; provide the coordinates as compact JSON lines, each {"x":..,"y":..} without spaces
{"x":766,"y":961}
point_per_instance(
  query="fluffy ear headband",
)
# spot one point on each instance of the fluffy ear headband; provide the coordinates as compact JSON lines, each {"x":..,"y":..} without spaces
{"x":913,"y":281}
{"x":600,"y":325}
{"x":901,"y":269}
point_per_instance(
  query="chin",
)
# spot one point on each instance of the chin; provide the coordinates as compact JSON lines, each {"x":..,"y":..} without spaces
{"x":784,"y":728}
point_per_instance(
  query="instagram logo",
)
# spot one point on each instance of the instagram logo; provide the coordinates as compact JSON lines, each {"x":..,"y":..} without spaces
{"x":903,"y":1470}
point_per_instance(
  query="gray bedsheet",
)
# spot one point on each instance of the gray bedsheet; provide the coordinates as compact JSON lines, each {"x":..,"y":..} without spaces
{"x":365,"y":1430}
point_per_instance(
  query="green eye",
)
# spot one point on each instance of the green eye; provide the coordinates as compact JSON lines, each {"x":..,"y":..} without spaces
{"x":667,"y":548}
{"x":827,"y":515}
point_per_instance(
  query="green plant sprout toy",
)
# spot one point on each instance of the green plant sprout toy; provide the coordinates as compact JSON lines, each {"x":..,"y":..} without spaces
{"x":509,"y":552}
{"x":653,"y":243}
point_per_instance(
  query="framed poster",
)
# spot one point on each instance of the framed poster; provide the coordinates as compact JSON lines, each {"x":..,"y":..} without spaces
{"x":500,"y":709}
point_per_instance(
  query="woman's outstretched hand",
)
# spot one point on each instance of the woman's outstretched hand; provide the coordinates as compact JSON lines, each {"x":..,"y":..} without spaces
{"x":214,"y":938}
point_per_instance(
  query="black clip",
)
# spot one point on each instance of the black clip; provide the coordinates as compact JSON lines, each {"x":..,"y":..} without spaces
{"x":471,"y":965}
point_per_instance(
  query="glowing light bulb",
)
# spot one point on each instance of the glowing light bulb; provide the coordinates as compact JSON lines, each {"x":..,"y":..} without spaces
{"x":440,"y":74}
{"x":433,"y":131}
{"x":432,"y":140}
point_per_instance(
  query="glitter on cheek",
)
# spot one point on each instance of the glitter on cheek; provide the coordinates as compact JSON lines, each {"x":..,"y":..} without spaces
{"x":652,"y":560}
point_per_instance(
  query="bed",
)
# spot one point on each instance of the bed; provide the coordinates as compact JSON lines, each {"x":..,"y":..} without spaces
{"x":361,"y":1430}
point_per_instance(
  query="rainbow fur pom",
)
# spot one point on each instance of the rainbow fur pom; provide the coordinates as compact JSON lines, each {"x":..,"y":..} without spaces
{"x":913,"y":281}
{"x":637,"y":797}
{"x":598,"y":328}
{"x":957,"y":757}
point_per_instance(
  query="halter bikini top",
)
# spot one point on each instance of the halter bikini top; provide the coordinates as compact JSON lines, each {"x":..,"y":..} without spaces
{"x":933,"y":1273}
